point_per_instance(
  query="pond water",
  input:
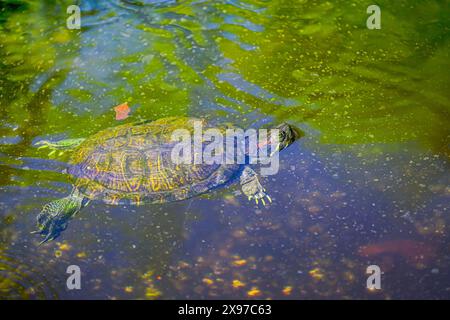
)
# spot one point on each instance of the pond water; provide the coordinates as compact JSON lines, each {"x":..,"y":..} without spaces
{"x":367,"y":184}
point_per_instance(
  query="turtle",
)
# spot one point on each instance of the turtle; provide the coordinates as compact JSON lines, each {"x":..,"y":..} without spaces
{"x":132,"y":164}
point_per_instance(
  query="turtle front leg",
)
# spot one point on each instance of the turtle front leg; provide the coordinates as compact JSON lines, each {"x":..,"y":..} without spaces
{"x":61,"y":146}
{"x":251,"y":187}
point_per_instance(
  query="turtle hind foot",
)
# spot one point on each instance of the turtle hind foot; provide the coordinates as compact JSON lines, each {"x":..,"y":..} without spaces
{"x":55,"y":216}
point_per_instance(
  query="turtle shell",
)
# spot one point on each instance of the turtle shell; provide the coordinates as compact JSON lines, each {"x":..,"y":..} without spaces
{"x":132,"y":163}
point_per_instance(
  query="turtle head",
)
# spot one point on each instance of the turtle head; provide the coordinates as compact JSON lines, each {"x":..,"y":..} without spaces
{"x":287,"y":134}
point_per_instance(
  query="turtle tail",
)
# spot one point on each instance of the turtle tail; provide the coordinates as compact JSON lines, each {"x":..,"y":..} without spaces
{"x":55,"y":215}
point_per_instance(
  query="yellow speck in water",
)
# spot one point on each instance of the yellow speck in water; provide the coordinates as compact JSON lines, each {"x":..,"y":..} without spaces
{"x":64,"y":247}
{"x":237,"y":284}
{"x":58,"y":253}
{"x":152,"y":293}
{"x":316,"y":274}
{"x":81,"y":254}
{"x":147,"y":275}
{"x":254,"y":292}
{"x":287,"y":290}
{"x":350,"y":277}
{"x":372,"y":289}
{"x":207,"y":281}
{"x":239,"y":233}
{"x":129,"y":289}
{"x":240,"y":262}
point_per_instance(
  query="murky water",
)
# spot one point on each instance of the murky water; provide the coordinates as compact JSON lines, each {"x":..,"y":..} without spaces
{"x":368,"y":184}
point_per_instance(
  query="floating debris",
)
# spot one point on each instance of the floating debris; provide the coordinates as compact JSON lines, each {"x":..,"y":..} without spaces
{"x":316,"y":274}
{"x":148,"y":275}
{"x":152,"y":293}
{"x":287,"y":291}
{"x":64,"y":247}
{"x":254,"y":292}
{"x":349,"y":276}
{"x":207,"y":281}
{"x":240,"y":262}
{"x":129,"y":289}
{"x":81,"y":255}
{"x":237,"y":284}
{"x":240,"y":233}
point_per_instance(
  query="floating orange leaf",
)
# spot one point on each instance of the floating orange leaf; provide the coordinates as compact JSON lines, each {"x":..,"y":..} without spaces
{"x":122,"y":111}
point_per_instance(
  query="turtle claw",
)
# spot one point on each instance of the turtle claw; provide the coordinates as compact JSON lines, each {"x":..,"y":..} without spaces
{"x":49,"y":237}
{"x":51,"y":229}
{"x":261,"y":196}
